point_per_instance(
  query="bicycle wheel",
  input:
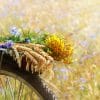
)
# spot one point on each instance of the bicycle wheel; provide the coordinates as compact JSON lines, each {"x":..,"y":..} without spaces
{"x":9,"y":67}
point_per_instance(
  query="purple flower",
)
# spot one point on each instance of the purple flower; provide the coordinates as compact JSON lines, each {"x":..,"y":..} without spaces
{"x":84,"y":43}
{"x":64,"y":70}
{"x":14,"y":31}
{"x":1,"y":45}
{"x":82,"y":80}
{"x":92,"y":36}
{"x":85,"y":57}
{"x":8,"y":44}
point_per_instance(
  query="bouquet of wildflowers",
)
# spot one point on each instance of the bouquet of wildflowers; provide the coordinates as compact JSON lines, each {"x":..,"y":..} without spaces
{"x":38,"y":50}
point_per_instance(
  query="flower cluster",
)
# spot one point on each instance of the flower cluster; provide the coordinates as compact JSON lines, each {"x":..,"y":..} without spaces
{"x":59,"y":48}
{"x":7,"y":44}
{"x":14,"y":31}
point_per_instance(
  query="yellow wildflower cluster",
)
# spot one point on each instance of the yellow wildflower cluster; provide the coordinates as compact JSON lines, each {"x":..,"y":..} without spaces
{"x":60,"y":49}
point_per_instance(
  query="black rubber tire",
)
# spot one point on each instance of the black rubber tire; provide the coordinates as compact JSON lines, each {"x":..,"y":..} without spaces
{"x":8,"y":65}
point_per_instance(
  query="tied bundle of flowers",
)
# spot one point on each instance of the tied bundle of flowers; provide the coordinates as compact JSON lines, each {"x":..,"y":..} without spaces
{"x":37,"y":50}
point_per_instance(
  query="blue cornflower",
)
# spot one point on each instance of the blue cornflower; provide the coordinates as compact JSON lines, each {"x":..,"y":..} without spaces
{"x":7,"y":44}
{"x":14,"y":31}
{"x":1,"y":45}
{"x":27,"y":40}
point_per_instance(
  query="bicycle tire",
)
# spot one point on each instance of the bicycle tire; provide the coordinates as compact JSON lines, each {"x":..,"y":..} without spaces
{"x":9,"y":67}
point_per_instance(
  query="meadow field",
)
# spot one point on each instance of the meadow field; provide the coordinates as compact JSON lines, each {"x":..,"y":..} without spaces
{"x":79,"y":22}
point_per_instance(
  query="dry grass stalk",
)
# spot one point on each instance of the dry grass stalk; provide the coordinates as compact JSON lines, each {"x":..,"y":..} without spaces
{"x":36,"y":60}
{"x":16,"y":56}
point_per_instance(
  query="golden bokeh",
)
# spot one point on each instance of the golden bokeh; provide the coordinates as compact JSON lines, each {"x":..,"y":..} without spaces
{"x":78,"y":20}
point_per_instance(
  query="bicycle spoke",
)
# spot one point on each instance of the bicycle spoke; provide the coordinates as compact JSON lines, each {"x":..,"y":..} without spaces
{"x":19,"y":92}
{"x":31,"y":94}
{"x":22,"y":90}
{"x":4,"y":88}
{"x":14,"y":88}
{"x":11,"y":90}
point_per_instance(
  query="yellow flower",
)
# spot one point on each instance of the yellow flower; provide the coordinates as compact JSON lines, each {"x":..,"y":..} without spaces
{"x":60,"y":49}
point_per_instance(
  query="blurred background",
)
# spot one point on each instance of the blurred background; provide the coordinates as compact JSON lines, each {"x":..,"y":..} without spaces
{"x":78,"y":20}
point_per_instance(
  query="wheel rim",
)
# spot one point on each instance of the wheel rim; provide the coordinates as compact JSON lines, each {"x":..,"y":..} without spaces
{"x":21,"y":86}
